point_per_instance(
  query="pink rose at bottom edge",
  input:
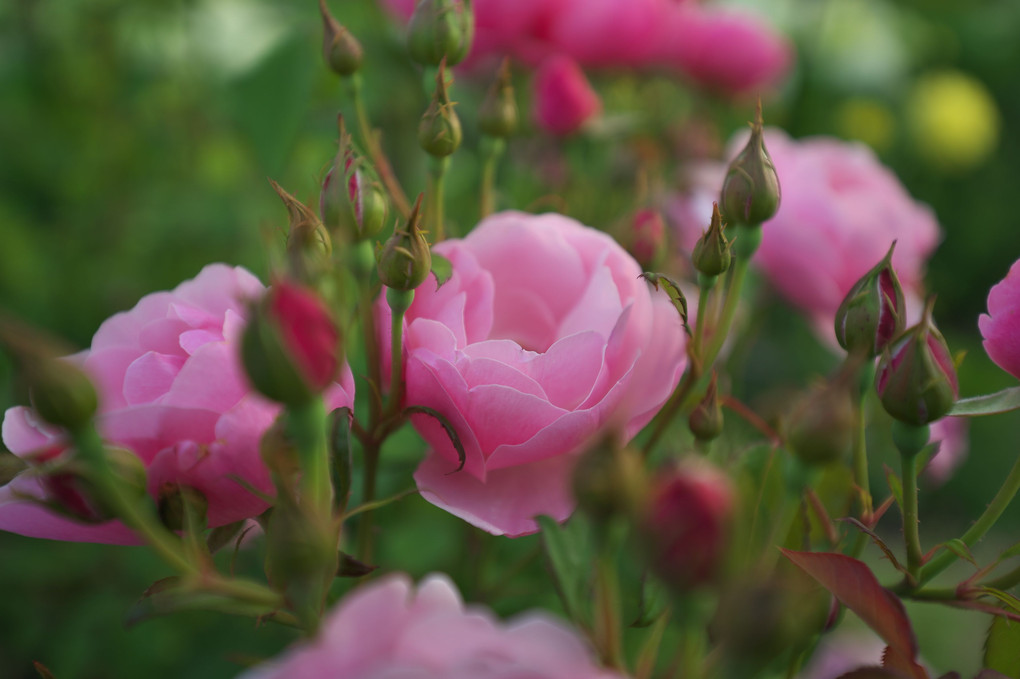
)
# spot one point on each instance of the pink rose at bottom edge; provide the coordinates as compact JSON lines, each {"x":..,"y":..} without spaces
{"x":1000,"y":327}
{"x":389,"y":628}
{"x":564,"y":99}
{"x":543,"y":338}
{"x":172,"y":391}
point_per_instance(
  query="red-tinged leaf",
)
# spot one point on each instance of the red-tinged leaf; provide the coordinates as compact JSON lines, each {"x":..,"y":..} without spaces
{"x":985,"y":607}
{"x":870,"y":673}
{"x":856,"y":587}
{"x":42,"y":670}
{"x":904,"y":667}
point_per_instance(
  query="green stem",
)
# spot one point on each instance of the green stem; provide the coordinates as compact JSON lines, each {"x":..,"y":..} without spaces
{"x":365,"y":529}
{"x":399,"y":302}
{"x":492,"y":149}
{"x":362,"y":264}
{"x":995,"y":509}
{"x":607,"y":612}
{"x":307,"y":429}
{"x":434,"y":221}
{"x":137,"y":515}
{"x":860,"y":454}
{"x":370,"y":139}
{"x":744,"y":247}
{"x":705,"y":286}
{"x":911,"y":535}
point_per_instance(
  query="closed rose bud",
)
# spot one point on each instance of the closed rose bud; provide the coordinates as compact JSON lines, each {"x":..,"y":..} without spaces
{"x":751,"y":193}
{"x":308,"y":244}
{"x":711,"y":255}
{"x":290,"y":347}
{"x":646,"y":240}
{"x":439,"y":132}
{"x":686,"y":524}
{"x":404,"y":262}
{"x":62,"y":393}
{"x":873,"y":312}
{"x":609,"y":480}
{"x":820,"y":428}
{"x":352,"y":202}
{"x":916,"y":378}
{"x":706,"y":420}
{"x":564,"y":99}
{"x":70,"y":489}
{"x":440,"y":29}
{"x":176,"y":502}
{"x":497,"y":115}
{"x":340,"y":49}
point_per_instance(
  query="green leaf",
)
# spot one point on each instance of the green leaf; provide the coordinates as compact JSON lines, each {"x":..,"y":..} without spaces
{"x":349,"y":567}
{"x":988,"y":404}
{"x":221,"y":536}
{"x":171,"y":595}
{"x":895,"y":485}
{"x":1002,"y":647}
{"x":340,"y":449}
{"x":960,"y":549}
{"x":442,"y":269}
{"x":447,"y":427}
{"x":570,"y":558}
{"x":1008,"y":599}
{"x":1011,"y":552}
{"x":673,"y":290}
{"x":653,"y":601}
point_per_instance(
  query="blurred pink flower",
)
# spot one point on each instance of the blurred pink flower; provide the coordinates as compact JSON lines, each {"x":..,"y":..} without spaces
{"x":307,"y":330}
{"x":841,"y":210}
{"x":388,"y":629}
{"x":173,"y":392}
{"x":564,"y":99}
{"x":543,"y":336}
{"x":725,"y":51}
{"x":1000,"y":327}
{"x":950,"y":433}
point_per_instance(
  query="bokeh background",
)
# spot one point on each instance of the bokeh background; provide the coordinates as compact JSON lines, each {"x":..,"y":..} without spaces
{"x":136,"y":137}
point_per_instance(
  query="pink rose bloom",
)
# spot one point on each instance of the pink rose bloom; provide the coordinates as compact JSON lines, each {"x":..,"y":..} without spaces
{"x":1000,"y":327}
{"x":386,"y":629}
{"x":564,"y":99}
{"x":543,"y":336}
{"x":172,"y":391}
{"x":841,"y":210}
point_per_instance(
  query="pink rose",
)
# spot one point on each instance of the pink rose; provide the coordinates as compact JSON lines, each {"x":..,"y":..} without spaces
{"x":543,"y":336}
{"x":388,"y":629}
{"x":173,"y":392}
{"x":950,"y":433}
{"x":564,"y":99}
{"x":1000,"y":327}
{"x":841,"y":210}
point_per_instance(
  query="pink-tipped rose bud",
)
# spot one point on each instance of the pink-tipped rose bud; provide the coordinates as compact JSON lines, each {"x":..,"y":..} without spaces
{"x":1000,"y":327}
{"x":711,"y":255}
{"x":440,"y":29}
{"x":360,"y":210}
{"x":564,"y":99}
{"x":750,"y":193}
{"x":290,"y":347}
{"x":647,"y":237}
{"x":916,"y":378}
{"x":687,"y":524}
{"x":873,"y":312}
{"x":340,"y":49}
{"x":70,"y":489}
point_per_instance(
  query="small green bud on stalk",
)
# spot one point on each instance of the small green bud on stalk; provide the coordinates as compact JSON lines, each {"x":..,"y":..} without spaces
{"x":340,"y":49}
{"x":308,"y":244}
{"x":440,"y":29}
{"x":706,"y":420}
{"x":712,"y":255}
{"x":176,"y":503}
{"x":404,"y":261}
{"x":873,"y":312}
{"x":751,"y":192}
{"x":439,"y":132}
{"x":821,"y":427}
{"x":497,"y":116}
{"x":609,"y":480}
{"x":61,"y":392}
{"x":916,"y":379}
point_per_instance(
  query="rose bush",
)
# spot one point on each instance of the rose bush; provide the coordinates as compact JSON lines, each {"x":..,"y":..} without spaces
{"x":840,"y":212}
{"x":1000,"y":327}
{"x":389,"y":629}
{"x":173,"y":392}
{"x":543,"y":336}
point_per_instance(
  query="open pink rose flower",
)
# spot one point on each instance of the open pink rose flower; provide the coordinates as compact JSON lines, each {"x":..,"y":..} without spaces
{"x":543,"y":336}
{"x":173,"y":392}
{"x":1000,"y":327}
{"x":841,"y":210}
{"x":387,"y":628}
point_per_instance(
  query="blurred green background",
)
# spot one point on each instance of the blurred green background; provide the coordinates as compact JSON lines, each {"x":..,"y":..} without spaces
{"x":135,"y":142}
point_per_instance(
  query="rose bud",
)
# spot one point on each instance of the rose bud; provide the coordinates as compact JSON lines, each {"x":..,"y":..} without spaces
{"x":686,"y":524}
{"x":290,"y":346}
{"x":820,"y":428}
{"x":916,"y":378}
{"x":360,"y":211}
{"x":439,"y":132}
{"x":711,"y":255}
{"x":872,"y":313}
{"x":71,"y":491}
{"x":609,"y":479}
{"x":182,"y":507}
{"x":647,"y":237}
{"x":564,"y":99}
{"x":440,"y":29}
{"x":308,"y":244}
{"x":405,"y":259}
{"x":497,"y":115}
{"x":750,"y":192}
{"x":706,"y":420}
{"x":340,"y":49}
